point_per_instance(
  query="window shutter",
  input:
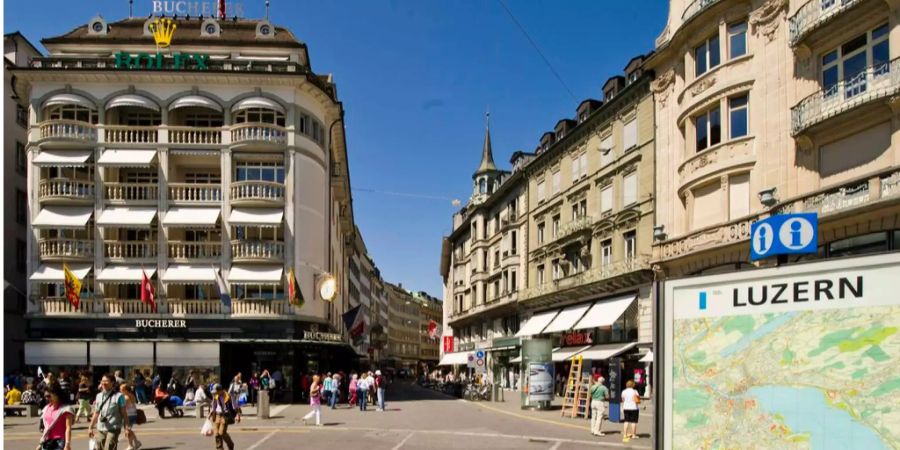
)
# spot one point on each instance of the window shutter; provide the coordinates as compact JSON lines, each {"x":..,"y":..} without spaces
{"x":630,"y":194}
{"x":556,"y":182}
{"x":630,"y":139}
{"x":606,"y":199}
{"x":607,"y":154}
{"x":540,"y":191}
{"x":583,"y":163}
{"x":739,"y":196}
{"x":576,"y":168}
{"x":707,"y":206}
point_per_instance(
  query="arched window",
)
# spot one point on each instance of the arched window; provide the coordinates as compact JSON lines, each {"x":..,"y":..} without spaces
{"x":482,"y":186}
{"x":259,"y":115}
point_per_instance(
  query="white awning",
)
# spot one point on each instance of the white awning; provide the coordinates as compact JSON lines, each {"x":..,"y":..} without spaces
{"x":63,"y":217}
{"x":127,"y":158}
{"x":191,"y":217}
{"x":196,"y":101}
{"x":537,"y":323}
{"x":270,"y":217}
{"x":517,"y":359}
{"x":188,"y":274}
{"x":257,"y":102}
{"x":56,"y":353}
{"x":567,"y":318}
{"x":255,"y":274}
{"x":65,"y":158}
{"x":187,"y":354}
{"x":605,"y":312}
{"x":452,"y":359}
{"x":121,"y":353}
{"x":648,"y":357}
{"x":69,"y":99}
{"x":132,"y":100}
{"x":127,"y":216}
{"x":124,"y":274}
{"x":54,"y":272}
{"x":606,"y":351}
{"x":564,"y":353}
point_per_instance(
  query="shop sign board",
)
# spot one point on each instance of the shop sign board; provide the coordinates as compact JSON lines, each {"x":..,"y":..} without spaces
{"x":160,"y":323}
{"x":195,"y":8}
{"x":466,"y":347}
{"x":791,"y":346}
{"x":448,"y":344}
{"x":576,"y":338}
{"x":322,"y":336}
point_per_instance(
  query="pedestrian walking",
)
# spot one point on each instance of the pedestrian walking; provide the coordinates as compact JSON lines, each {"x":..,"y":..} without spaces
{"x":225,"y":411}
{"x":370,"y":384}
{"x":599,"y":395}
{"x":315,"y":402}
{"x":132,"y":412}
{"x":335,"y":390}
{"x":362,"y":390}
{"x":84,"y":399}
{"x":253,"y":384}
{"x":326,"y":388}
{"x":353,"y":399}
{"x":140,"y":388}
{"x":380,"y":385}
{"x":57,"y":420}
{"x":109,"y":416}
{"x":234,"y":390}
{"x":630,"y":402}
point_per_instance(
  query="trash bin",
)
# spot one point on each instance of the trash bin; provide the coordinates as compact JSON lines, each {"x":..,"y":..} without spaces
{"x":262,"y":405}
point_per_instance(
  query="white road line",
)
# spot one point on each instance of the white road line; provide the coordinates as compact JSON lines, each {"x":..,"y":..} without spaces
{"x":397,"y":447}
{"x":556,"y":445}
{"x":264,"y":439}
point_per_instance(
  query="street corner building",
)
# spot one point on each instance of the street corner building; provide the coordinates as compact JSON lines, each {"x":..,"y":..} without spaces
{"x":207,"y":155}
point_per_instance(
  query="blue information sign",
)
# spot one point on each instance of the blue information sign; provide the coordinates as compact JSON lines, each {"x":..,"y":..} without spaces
{"x":784,"y":234}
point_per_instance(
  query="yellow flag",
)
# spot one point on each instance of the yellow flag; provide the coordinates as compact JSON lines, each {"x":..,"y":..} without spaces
{"x":73,"y":287}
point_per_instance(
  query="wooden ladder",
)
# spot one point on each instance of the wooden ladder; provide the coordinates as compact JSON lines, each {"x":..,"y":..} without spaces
{"x":570,"y":404}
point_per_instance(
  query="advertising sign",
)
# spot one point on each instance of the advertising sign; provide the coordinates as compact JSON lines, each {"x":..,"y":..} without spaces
{"x":615,"y":389}
{"x":470,"y":360}
{"x":784,"y":234}
{"x":540,"y":382}
{"x":448,"y":344}
{"x":798,"y":356}
{"x":576,"y":338}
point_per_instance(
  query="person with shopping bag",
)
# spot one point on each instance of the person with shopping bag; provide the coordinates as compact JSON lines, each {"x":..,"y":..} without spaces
{"x":315,"y":402}
{"x":225,"y":411}
{"x":57,"y":419}
{"x":110,"y":416}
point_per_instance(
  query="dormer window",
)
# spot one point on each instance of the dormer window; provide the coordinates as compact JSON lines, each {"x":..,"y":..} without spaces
{"x":210,"y":28}
{"x":265,"y":30}
{"x":97,"y":26}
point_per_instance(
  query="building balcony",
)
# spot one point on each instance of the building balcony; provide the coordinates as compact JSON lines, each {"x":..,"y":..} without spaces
{"x":115,"y":307}
{"x":65,"y":191}
{"x":65,"y":249}
{"x":67,"y":133}
{"x":257,"y":193}
{"x":185,"y":252}
{"x":875,"y":83}
{"x":193,"y":194}
{"x":124,"y":134}
{"x":588,"y":277}
{"x":257,"y":251}
{"x":696,"y":7}
{"x":130,"y":251}
{"x":259,"y":133}
{"x":261,"y":308}
{"x":583,"y":223}
{"x":53,"y":306}
{"x":147,"y":193}
{"x":195,"y":135}
{"x":813,"y":15}
{"x":183,"y":308}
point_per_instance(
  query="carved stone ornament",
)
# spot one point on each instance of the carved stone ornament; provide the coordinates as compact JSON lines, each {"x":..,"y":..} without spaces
{"x":765,"y":20}
{"x":703,"y":85}
{"x":661,"y":86}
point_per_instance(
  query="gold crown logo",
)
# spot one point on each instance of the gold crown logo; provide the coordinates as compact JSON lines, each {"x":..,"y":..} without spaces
{"x":163,"y":30}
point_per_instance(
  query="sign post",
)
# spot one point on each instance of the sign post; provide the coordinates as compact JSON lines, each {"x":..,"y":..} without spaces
{"x":615,"y":389}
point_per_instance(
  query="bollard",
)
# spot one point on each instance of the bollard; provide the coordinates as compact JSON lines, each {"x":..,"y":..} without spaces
{"x":262,"y":405}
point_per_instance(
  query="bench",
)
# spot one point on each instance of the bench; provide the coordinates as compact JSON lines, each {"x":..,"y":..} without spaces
{"x":14,"y":410}
{"x":200,"y":411}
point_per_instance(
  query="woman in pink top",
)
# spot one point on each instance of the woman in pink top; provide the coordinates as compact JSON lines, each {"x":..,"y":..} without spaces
{"x":315,"y":402}
{"x":57,"y":419}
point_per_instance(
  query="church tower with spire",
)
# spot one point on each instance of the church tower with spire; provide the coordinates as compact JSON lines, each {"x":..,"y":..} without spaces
{"x":487,"y":178}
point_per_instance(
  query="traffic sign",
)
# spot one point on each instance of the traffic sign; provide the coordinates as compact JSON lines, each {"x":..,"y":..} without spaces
{"x":470,"y":360}
{"x":784,"y":234}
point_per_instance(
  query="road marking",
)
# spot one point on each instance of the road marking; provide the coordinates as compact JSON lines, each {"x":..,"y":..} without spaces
{"x":397,"y":447}
{"x":264,"y":439}
{"x":29,"y":436}
{"x":556,"y":445}
{"x":536,"y":419}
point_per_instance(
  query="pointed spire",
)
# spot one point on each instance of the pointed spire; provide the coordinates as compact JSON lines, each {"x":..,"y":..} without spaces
{"x":487,"y":155}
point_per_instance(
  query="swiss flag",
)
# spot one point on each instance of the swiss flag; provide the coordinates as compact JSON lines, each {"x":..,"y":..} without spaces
{"x":148,"y":292}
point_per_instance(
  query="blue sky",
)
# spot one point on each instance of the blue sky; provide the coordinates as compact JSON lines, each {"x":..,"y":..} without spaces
{"x":416,"y":77}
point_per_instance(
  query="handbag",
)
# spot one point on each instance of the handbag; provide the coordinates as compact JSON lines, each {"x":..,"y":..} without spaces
{"x":141,"y":417}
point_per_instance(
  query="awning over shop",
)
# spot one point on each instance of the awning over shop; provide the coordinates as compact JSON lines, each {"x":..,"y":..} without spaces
{"x":268,"y":217}
{"x":195,"y":101}
{"x":69,"y":99}
{"x":127,"y":158}
{"x":456,"y":358}
{"x":135,"y":100}
{"x":537,"y":323}
{"x":564,"y":353}
{"x":567,"y":318}
{"x":63,"y":217}
{"x":605,"y":312}
{"x":516,"y":360}
{"x":255,"y":274}
{"x":53,"y":273}
{"x":65,"y":158}
{"x":187,"y":354}
{"x":648,"y":357}
{"x":188,"y":274}
{"x":127,"y":216}
{"x":191,"y":217}
{"x":257,"y":102}
{"x":121,"y":353}
{"x":606,"y":351}
{"x":124,"y":274}
{"x":56,"y":353}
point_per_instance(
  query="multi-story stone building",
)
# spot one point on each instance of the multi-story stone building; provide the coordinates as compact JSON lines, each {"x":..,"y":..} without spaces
{"x":769,"y":107}
{"x":430,"y":313}
{"x":218,"y":160}
{"x":403,"y":334}
{"x":361,"y":273}
{"x":17,"y":51}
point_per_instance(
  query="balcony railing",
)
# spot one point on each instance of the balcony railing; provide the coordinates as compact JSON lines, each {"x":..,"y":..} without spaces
{"x":62,"y":248}
{"x":124,"y":192}
{"x":580,"y":224}
{"x":257,"y":190}
{"x":876,"y":82}
{"x":187,"y":251}
{"x":195,"y":135}
{"x":181,"y":308}
{"x":599,"y":273}
{"x":68,"y":129}
{"x":258,"y":132}
{"x":257,"y":250}
{"x":122,"y":307}
{"x":123,"y":134}
{"x":813,"y":14}
{"x":60,"y":305}
{"x":696,"y":7}
{"x":261,"y":308}
{"x":195,"y":193}
{"x":129,"y":250}
{"x":66,"y":188}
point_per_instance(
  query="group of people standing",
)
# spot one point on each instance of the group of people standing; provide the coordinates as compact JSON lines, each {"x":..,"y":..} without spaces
{"x":630,"y":400}
{"x":363,"y":388}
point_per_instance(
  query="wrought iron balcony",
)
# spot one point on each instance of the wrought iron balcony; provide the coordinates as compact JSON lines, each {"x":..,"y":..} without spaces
{"x":813,"y":14}
{"x":602,"y":272}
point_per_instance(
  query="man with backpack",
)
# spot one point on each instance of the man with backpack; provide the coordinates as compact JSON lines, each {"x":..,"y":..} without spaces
{"x":224,"y":411}
{"x":109,"y":416}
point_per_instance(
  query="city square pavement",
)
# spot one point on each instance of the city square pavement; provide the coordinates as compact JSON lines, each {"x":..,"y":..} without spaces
{"x":416,"y":418}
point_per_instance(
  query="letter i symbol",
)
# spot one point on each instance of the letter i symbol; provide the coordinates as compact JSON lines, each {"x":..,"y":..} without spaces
{"x":703,"y":301}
